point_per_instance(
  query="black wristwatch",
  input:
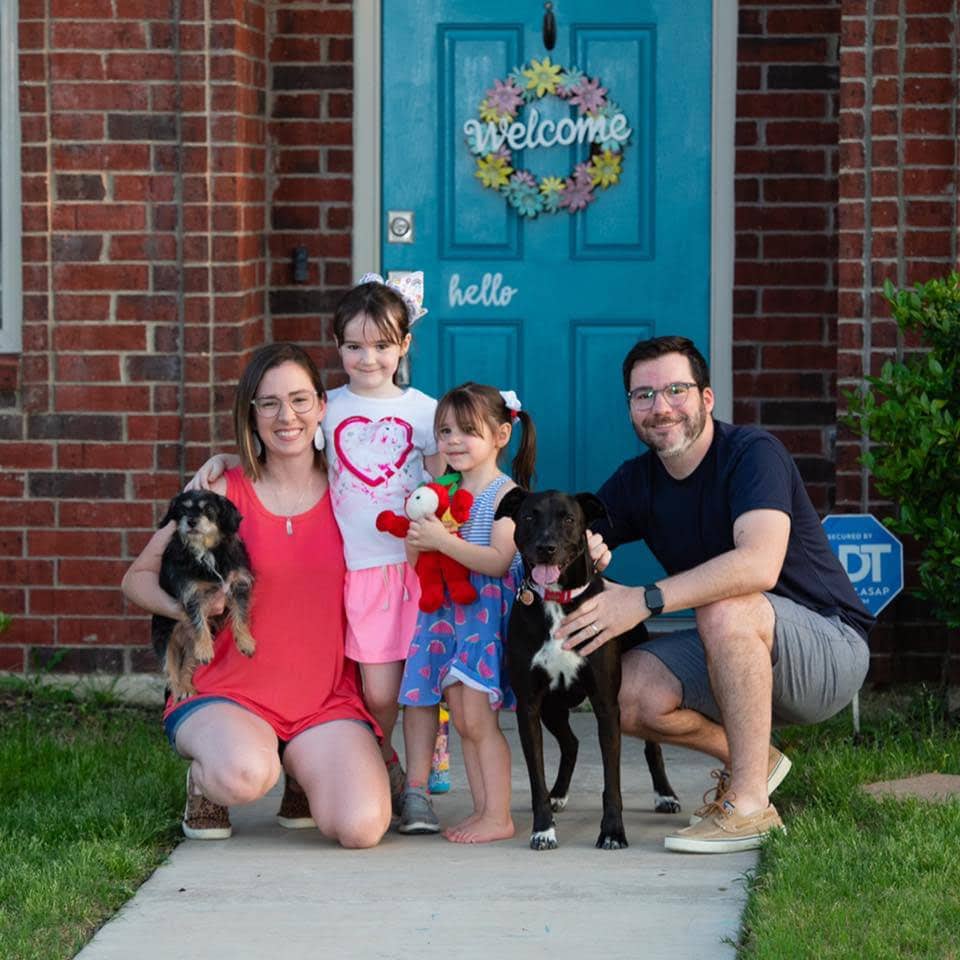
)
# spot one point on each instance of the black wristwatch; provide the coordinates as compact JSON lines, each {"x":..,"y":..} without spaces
{"x":653,"y":598}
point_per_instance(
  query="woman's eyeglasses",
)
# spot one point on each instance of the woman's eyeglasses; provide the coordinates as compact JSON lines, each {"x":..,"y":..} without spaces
{"x":269,"y":407}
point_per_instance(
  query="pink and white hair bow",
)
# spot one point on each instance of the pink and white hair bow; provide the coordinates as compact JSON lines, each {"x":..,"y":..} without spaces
{"x":410,"y":288}
{"x":512,"y":402}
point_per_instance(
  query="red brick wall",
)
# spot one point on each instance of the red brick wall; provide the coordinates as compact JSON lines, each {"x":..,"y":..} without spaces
{"x":144,"y":201}
{"x":785,"y":295}
{"x":311,"y":132}
{"x":897,"y":219}
{"x":177,"y":151}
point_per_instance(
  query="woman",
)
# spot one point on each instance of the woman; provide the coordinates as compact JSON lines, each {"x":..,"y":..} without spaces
{"x":298,"y":692}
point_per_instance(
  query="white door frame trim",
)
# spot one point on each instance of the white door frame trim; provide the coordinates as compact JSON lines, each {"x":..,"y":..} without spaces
{"x":11,"y":263}
{"x":366,"y":174}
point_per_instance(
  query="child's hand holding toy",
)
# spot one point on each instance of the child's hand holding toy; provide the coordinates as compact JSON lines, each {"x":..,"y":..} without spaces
{"x":432,"y":514}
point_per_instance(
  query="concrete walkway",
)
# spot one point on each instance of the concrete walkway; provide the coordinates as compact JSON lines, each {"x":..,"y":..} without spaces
{"x":270,"y":892}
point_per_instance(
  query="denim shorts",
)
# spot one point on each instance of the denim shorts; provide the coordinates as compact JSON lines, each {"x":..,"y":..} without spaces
{"x":819,"y":664}
{"x":172,"y":723}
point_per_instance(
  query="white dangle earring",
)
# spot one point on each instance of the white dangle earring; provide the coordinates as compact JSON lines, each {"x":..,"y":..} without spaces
{"x":318,"y":439}
{"x":257,"y":446}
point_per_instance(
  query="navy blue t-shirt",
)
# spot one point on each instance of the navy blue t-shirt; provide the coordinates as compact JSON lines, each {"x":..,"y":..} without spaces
{"x":687,"y":522}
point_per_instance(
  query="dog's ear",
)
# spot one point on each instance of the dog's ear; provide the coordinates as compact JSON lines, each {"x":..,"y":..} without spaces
{"x":230,"y":518}
{"x":592,"y":506}
{"x":510,"y":504}
{"x":172,"y":512}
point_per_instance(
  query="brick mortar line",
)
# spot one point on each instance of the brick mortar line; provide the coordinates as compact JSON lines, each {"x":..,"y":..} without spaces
{"x":901,"y":149}
{"x":867,"y":287}
{"x":208,"y":59}
{"x":179,"y":176}
{"x":955,"y":20}
{"x":48,"y":233}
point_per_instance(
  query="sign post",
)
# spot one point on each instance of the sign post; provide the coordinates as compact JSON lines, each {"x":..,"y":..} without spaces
{"x":873,"y":560}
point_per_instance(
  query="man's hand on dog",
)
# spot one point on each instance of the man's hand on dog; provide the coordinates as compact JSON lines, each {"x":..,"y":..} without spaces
{"x":601,"y":618}
{"x":599,"y":552}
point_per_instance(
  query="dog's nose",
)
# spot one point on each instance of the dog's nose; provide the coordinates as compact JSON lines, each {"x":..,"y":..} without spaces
{"x":191,"y":521}
{"x":547,"y":549}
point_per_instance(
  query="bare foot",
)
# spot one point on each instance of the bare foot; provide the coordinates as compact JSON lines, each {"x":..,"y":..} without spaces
{"x":453,"y":831}
{"x":482,"y":830}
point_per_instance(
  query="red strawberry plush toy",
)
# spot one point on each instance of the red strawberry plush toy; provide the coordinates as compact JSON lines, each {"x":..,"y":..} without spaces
{"x":435,"y":568}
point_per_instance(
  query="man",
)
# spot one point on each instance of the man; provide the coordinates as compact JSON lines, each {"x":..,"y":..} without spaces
{"x":780,"y":632}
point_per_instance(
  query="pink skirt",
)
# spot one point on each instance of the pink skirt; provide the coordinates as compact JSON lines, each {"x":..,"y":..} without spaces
{"x":381,"y":605}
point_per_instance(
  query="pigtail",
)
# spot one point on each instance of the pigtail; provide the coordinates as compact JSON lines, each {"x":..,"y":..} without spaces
{"x":526,"y":458}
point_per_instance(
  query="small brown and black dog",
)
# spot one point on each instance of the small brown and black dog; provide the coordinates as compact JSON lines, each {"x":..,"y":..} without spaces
{"x":204,"y":557}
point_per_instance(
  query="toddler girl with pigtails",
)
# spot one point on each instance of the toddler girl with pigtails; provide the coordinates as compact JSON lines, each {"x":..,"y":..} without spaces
{"x":457,"y":652}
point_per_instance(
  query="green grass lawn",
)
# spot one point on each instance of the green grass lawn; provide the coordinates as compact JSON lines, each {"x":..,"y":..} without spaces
{"x":90,"y":802}
{"x":856,"y":877}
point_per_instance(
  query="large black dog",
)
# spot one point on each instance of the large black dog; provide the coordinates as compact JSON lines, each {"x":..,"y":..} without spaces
{"x":204,"y":556}
{"x":548,"y":681}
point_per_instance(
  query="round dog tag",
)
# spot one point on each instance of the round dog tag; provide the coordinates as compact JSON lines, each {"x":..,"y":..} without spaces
{"x":526,"y":597}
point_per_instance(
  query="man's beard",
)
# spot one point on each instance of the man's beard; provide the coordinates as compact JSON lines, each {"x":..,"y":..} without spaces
{"x":691,"y":427}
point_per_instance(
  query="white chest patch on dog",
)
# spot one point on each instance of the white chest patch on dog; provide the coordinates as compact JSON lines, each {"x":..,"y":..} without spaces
{"x":204,"y":556}
{"x":558,"y":663}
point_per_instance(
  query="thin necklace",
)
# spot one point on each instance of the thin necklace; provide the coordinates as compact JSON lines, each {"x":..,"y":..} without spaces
{"x":289,"y":513}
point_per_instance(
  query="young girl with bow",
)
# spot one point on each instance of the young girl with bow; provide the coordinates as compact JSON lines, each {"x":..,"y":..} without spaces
{"x":457,"y":652}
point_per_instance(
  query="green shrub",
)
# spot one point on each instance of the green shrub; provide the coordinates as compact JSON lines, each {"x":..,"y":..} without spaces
{"x":911,"y":415}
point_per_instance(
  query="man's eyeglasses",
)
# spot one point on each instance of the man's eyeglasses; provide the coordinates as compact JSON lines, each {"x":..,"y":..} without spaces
{"x":269,"y":407}
{"x":643,"y":398}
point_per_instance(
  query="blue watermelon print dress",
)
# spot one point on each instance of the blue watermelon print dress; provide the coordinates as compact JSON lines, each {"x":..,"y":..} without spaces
{"x":466,"y":643}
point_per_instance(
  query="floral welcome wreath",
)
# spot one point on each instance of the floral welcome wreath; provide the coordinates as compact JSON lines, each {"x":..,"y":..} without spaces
{"x":527,"y":194}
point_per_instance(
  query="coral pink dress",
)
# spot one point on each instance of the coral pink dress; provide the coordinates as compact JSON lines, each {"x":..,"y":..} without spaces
{"x":299,"y":676}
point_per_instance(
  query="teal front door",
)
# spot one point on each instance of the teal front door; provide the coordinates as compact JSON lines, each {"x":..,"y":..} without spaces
{"x":560,"y":203}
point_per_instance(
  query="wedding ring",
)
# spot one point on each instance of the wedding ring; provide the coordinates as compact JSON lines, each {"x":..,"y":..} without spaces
{"x":596,"y":629}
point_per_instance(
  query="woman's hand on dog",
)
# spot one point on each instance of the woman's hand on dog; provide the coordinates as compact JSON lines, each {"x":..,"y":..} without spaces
{"x":599,"y":551}
{"x":141,"y":582}
{"x":601,"y":618}
{"x":211,"y":471}
{"x":216,"y":604}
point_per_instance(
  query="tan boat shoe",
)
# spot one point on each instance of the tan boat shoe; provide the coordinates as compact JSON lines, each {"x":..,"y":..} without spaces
{"x":778,"y":766}
{"x":723,"y":830}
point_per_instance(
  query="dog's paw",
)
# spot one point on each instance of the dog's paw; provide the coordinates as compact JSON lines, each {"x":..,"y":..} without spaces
{"x":247,"y":649}
{"x":665,"y":804}
{"x":558,"y":803}
{"x":612,"y":840}
{"x":544,"y":839}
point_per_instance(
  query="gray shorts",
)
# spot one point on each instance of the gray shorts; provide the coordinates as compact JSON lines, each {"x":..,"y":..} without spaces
{"x":819,"y":663}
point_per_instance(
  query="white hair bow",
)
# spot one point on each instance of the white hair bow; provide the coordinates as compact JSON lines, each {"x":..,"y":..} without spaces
{"x":512,"y":401}
{"x":410,"y":288}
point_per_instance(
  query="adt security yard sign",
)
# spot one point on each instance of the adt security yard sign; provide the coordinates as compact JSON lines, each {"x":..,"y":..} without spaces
{"x":871,"y":555}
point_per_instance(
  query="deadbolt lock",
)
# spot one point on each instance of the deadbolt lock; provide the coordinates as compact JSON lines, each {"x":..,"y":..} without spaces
{"x":400,"y":226}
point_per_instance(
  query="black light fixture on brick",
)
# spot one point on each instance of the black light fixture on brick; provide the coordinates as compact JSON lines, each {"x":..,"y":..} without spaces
{"x":300,"y":265}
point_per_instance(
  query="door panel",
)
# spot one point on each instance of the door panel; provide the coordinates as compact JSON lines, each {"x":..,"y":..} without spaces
{"x":548,"y":306}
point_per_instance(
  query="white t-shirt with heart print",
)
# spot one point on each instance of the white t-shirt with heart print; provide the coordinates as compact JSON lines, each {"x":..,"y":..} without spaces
{"x":375,"y":447}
